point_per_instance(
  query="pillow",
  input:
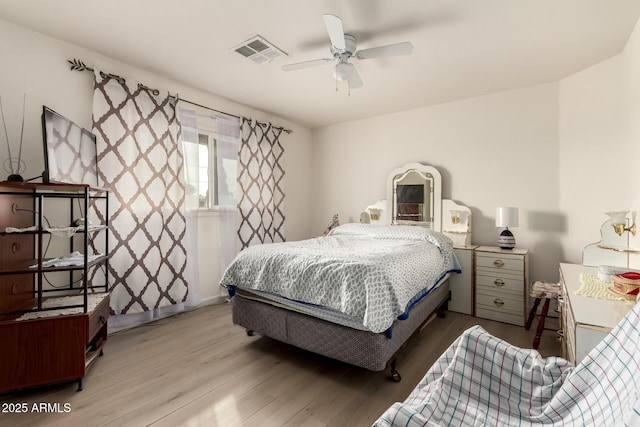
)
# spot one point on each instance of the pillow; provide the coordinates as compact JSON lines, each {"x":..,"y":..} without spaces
{"x":403,"y":232}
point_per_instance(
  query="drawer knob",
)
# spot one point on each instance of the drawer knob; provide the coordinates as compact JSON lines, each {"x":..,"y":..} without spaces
{"x":498,"y":302}
{"x":498,"y":263}
{"x":498,"y":282}
{"x":102,"y":319}
{"x":15,"y":247}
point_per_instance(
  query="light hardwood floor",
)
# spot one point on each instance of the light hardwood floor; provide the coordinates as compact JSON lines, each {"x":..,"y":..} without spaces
{"x":197,"y":369}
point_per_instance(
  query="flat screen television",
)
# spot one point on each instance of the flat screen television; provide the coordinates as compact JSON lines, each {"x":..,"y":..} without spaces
{"x":70,"y":155}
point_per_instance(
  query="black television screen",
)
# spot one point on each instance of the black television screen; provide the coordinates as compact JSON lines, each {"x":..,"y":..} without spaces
{"x":69,"y":151}
{"x":412,"y":193}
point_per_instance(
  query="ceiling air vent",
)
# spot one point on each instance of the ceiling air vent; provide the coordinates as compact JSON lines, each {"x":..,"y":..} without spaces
{"x":259,"y":50}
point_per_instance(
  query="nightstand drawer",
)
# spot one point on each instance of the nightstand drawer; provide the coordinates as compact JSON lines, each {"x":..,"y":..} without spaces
{"x":500,"y":307}
{"x":504,"y":283}
{"x":501,"y":262}
{"x":500,"y":301}
{"x":500,"y":316}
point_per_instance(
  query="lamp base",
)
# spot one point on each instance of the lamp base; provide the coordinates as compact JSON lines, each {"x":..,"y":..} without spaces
{"x":506,"y":240}
{"x":15,"y":178}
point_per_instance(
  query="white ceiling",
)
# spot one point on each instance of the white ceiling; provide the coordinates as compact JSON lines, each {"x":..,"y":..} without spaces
{"x":462,"y":48}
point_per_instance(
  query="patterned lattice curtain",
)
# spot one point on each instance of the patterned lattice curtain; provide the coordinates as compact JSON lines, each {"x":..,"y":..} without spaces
{"x":140,"y":162}
{"x":260,"y":176}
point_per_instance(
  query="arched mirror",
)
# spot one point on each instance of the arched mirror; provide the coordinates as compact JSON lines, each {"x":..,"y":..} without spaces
{"x":415,"y":194}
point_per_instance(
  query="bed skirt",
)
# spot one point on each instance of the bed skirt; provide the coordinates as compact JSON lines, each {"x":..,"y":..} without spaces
{"x":365,"y":349}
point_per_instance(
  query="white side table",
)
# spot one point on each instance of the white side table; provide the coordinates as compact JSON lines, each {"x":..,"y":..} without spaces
{"x":501,"y":281}
{"x":462,"y":284}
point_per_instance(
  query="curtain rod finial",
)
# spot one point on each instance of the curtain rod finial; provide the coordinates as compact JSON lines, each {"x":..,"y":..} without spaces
{"x":77,"y":65}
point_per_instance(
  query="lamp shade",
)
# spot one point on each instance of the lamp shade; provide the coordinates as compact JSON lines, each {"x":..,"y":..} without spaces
{"x":343,"y":71}
{"x":507,"y":217}
{"x":618,"y":217}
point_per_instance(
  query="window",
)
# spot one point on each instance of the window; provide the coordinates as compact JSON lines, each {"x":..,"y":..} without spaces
{"x":210,"y":145}
{"x":203,"y":169}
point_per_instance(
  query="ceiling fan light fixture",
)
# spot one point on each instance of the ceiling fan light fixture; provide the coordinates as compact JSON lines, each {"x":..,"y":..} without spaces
{"x":343,"y":71}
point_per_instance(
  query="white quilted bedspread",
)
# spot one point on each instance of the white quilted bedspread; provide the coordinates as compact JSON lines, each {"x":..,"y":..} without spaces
{"x":370,"y":272}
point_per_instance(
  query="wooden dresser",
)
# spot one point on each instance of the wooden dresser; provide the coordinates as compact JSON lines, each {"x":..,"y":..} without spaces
{"x":50,"y":332}
{"x":584,"y":321}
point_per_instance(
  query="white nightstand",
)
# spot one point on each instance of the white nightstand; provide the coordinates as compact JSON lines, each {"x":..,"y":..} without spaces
{"x":501,"y":281}
{"x":461,"y":285}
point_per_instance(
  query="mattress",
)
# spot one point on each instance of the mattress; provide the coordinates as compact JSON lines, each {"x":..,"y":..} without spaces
{"x":370,"y":274}
{"x":323,"y":313}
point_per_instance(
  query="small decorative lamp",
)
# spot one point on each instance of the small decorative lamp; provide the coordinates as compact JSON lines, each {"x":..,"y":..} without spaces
{"x":506,"y":217}
{"x":619,"y":221}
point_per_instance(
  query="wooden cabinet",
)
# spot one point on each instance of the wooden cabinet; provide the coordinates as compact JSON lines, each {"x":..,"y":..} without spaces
{"x":584,"y":321}
{"x":501,"y":279}
{"x":462,"y":284}
{"x":51,"y":328}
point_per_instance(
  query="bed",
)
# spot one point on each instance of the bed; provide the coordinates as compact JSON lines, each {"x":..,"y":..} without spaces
{"x":359,"y":293}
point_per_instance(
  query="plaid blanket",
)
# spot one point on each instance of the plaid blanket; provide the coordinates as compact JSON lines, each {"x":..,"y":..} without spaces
{"x":482,"y":380}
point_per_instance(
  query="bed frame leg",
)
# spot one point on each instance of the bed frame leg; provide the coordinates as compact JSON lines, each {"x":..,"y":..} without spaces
{"x":395,"y":375}
{"x":441,"y":311}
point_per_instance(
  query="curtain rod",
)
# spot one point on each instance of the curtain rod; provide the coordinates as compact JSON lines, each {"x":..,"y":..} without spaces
{"x":77,"y":65}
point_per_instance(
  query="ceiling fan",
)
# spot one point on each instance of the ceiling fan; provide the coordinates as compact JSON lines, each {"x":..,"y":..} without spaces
{"x":343,"y":47}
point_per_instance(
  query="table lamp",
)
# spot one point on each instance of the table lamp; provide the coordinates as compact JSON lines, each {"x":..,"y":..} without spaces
{"x":506,"y":217}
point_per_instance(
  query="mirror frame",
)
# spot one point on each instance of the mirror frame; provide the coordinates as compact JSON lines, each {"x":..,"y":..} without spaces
{"x":436,"y":224}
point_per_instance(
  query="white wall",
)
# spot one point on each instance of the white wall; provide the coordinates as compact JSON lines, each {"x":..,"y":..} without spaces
{"x":496,"y":150}
{"x":563,"y":152}
{"x":37,"y":65}
{"x":599,"y":145}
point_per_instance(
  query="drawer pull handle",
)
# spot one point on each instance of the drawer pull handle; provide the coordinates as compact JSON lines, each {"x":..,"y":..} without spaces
{"x":560,"y":333}
{"x":498,"y":302}
{"x":560,"y":300}
{"x":498,"y":263}
{"x":498,"y":282}
{"x":102,"y":319}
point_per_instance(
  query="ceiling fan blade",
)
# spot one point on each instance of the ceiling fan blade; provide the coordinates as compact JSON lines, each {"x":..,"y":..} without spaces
{"x":335,"y":30}
{"x":305,"y":64}
{"x":384,"y":51}
{"x":355,"y":81}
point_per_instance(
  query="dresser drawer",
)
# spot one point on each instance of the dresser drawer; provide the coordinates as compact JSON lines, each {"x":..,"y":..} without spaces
{"x":16,"y":292}
{"x":98,"y":317}
{"x":16,"y":250}
{"x":17,"y":211}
